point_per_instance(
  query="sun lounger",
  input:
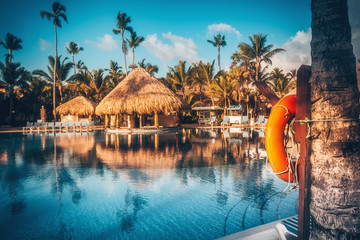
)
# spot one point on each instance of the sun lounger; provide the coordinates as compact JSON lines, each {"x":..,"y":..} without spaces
{"x":42,"y":127}
{"x":28,"y":126}
{"x":225,"y":121}
{"x":77,"y":126}
{"x":65,"y":126}
{"x":71,"y":126}
{"x":84,"y":126}
{"x":212,"y":120}
{"x":91,"y":125}
{"x":245,"y":120}
{"x":57,"y":126}
{"x":50,"y":126}
{"x":261,"y":120}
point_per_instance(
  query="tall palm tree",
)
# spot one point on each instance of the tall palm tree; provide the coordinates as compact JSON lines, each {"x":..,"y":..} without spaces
{"x":115,"y":75}
{"x":219,"y":41}
{"x":73,"y":49}
{"x":180,"y":76}
{"x":280,"y":83}
{"x":122,"y":22}
{"x":256,"y":52}
{"x":207,"y":71}
{"x":222,"y":88}
{"x":11,"y":43}
{"x":242,"y":76}
{"x":61,"y":73}
{"x":152,"y":69}
{"x":12,"y":75}
{"x":134,"y":42}
{"x":58,"y":12}
{"x":335,"y":152}
{"x":96,"y":84}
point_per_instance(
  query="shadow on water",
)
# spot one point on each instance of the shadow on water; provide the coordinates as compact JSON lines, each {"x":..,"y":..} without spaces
{"x":229,"y":168}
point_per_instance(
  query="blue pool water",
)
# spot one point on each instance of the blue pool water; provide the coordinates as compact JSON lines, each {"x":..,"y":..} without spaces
{"x":189,"y":185}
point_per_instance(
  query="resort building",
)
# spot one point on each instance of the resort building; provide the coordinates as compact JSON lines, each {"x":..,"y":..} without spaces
{"x":140,"y":100}
{"x":77,"y":109}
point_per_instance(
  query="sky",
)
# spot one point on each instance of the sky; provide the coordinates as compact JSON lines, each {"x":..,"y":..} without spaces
{"x":173,"y":30}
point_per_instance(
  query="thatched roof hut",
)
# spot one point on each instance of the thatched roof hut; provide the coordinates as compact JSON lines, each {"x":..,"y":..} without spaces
{"x":139,"y":93}
{"x":77,"y":106}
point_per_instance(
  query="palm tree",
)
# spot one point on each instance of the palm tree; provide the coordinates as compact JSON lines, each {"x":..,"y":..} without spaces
{"x":12,"y":75}
{"x":242,"y":76}
{"x":207,"y":72}
{"x":115,"y":75}
{"x":256,"y":52}
{"x":335,"y":152}
{"x":189,"y":99}
{"x":11,"y":43}
{"x":62,"y":72}
{"x":280,"y":83}
{"x":122,"y":23}
{"x":219,"y":41}
{"x":222,"y":88}
{"x":96,"y":84}
{"x":73,"y":49}
{"x":134,"y":42}
{"x":292,"y":74}
{"x":152,"y":69}
{"x":58,"y":12}
{"x":179,"y":76}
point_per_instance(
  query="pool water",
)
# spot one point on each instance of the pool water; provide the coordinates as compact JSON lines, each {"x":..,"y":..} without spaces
{"x":194,"y":184}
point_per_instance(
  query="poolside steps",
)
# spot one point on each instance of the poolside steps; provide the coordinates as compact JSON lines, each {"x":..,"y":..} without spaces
{"x":284,"y":229}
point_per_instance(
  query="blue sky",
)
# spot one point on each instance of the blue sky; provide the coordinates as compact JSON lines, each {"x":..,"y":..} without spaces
{"x":174,"y":30}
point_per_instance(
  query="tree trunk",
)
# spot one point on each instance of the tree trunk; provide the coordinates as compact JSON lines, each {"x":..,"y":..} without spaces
{"x":54,"y":83}
{"x":219,"y":58}
{"x":133,"y":50}
{"x":123,"y":49}
{"x":74,"y":63}
{"x":335,"y":155}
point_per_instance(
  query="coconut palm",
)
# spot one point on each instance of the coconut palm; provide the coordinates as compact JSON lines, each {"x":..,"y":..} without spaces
{"x":115,"y":74}
{"x":12,"y":75}
{"x":134,"y":42}
{"x":122,"y":22}
{"x":62,"y":73}
{"x":256,"y":52}
{"x":207,"y":72}
{"x":219,"y":41}
{"x":191,"y":102}
{"x":280,"y":83}
{"x":58,"y":12}
{"x":292,"y":75}
{"x":335,"y":152}
{"x":11,"y":43}
{"x":152,"y":69}
{"x":222,"y":88}
{"x":73,"y":49}
{"x":180,"y":76}
{"x":242,"y":76}
{"x":95,"y":85}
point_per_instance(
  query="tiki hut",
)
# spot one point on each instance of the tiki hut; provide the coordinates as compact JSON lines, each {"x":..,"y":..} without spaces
{"x":141,"y":94}
{"x":76,"y":109}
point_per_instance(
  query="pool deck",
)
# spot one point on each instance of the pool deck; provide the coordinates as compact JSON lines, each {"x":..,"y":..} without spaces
{"x":9,"y":129}
{"x":284,"y":229}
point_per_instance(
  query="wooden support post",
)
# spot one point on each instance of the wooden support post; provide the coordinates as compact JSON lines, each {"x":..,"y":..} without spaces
{"x":156,"y":120}
{"x":268,"y":93}
{"x":302,"y":111}
{"x":106,"y":121}
{"x":128,"y":121}
{"x":140,"y":121}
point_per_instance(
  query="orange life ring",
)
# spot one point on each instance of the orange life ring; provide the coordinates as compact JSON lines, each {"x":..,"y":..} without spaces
{"x":282,"y":112}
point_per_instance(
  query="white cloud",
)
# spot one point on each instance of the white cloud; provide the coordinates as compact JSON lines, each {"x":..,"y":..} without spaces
{"x":180,"y":48}
{"x":222,"y":27}
{"x":106,"y":43}
{"x":297,"y":52}
{"x":44,"y":45}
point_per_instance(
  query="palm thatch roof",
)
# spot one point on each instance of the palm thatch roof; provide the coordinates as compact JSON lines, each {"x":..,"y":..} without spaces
{"x":77,"y":106}
{"x":139,"y":93}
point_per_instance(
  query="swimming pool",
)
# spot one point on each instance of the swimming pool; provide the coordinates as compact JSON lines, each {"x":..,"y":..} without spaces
{"x":194,"y":184}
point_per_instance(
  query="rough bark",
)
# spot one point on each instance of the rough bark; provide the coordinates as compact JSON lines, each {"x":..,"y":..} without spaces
{"x":335,"y":156}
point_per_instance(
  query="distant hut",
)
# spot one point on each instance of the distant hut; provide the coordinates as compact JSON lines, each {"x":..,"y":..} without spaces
{"x":141,"y":94}
{"x":76,"y":109}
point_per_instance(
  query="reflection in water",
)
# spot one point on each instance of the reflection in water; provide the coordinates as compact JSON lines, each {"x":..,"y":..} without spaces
{"x":197,"y":184}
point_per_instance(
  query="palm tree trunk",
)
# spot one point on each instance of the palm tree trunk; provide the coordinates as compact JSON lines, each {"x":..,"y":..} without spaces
{"x":219,"y":58}
{"x":335,"y":152}
{"x":133,"y":50}
{"x":73,"y":63}
{"x":123,"y":49}
{"x":54,"y":83}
